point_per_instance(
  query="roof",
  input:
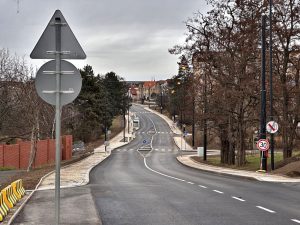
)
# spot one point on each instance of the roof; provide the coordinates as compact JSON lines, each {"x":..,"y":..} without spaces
{"x":133,"y":91}
{"x":149,"y":84}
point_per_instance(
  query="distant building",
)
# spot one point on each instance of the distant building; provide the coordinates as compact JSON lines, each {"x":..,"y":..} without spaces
{"x":134,"y":93}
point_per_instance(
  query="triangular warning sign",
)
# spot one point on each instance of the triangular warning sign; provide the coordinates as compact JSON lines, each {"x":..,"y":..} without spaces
{"x":46,"y":44}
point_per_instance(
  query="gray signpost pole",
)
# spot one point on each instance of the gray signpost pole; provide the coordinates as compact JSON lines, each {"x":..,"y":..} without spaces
{"x":59,"y":82}
{"x":57,"y":117}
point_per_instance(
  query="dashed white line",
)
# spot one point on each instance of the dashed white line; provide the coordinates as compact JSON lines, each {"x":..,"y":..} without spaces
{"x":190,"y":182}
{"x":296,"y":221}
{"x":237,"y":198}
{"x":220,"y":192}
{"x":263,"y":208}
{"x":202,"y":186}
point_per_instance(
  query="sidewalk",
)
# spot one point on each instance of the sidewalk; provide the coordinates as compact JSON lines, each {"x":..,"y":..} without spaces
{"x":77,"y":174}
{"x":186,"y":160}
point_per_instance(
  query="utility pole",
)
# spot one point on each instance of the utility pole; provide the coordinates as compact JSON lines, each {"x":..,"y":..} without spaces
{"x":105,"y":137}
{"x":193,"y":108}
{"x":205,"y":120}
{"x":124,"y":119}
{"x":161,"y":98}
{"x":193,"y":121}
{"x":271,"y":83}
{"x":128,"y":118}
{"x":263,"y":154}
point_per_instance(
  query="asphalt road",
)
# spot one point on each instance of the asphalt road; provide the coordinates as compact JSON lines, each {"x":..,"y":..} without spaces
{"x":153,"y":188}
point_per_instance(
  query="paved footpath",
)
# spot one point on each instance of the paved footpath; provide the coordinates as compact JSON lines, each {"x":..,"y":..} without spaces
{"x":188,"y":161}
{"x":77,"y":174}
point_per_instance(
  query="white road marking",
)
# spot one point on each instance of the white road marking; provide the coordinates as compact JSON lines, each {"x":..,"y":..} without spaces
{"x":296,"y":221}
{"x":170,"y":150}
{"x":163,"y":150}
{"x":202,"y":186}
{"x":220,"y":192}
{"x":165,"y":175}
{"x":263,"y":208}
{"x":190,"y":182}
{"x":237,"y":198}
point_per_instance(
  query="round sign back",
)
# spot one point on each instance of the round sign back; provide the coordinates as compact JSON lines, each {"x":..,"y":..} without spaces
{"x":70,"y":80}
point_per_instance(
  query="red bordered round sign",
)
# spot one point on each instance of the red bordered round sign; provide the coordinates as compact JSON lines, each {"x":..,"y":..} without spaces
{"x":263,"y":145}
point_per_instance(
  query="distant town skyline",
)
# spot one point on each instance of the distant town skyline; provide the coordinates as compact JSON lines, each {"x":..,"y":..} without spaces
{"x":129,"y":37}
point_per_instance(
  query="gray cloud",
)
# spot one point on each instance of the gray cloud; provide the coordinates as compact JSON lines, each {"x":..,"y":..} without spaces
{"x":130,"y":37}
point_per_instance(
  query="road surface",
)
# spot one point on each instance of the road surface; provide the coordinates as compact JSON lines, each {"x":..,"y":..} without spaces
{"x":153,"y":188}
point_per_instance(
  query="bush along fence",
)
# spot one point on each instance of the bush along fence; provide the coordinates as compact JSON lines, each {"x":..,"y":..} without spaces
{"x":9,"y":197}
{"x":17,"y":155}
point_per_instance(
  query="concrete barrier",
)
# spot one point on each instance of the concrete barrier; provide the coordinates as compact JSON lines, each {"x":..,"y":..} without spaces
{"x":9,"y":197}
{"x":18,"y":188}
{"x":3,"y":208}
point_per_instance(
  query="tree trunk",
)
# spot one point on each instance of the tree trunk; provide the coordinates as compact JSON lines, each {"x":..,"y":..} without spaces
{"x":241,"y":156}
{"x":224,"y":145}
{"x":34,"y":138}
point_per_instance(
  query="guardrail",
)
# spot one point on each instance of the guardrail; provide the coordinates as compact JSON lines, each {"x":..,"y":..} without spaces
{"x":9,"y":197}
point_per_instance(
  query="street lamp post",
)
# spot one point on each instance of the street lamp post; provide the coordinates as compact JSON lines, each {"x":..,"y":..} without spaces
{"x":263,"y":165}
{"x":193,"y":107}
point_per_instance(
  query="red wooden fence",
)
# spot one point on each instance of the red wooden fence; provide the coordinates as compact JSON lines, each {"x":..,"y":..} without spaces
{"x":17,"y":155}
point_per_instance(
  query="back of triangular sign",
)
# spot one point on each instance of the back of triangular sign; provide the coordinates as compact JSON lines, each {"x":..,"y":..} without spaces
{"x":46,"y":45}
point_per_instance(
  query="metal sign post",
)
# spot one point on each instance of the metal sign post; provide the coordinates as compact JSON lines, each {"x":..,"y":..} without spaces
{"x":57,"y":116}
{"x":58,"y":82}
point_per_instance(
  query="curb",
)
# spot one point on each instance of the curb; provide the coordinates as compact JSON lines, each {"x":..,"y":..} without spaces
{"x":247,"y":177}
{"x":216,"y":172}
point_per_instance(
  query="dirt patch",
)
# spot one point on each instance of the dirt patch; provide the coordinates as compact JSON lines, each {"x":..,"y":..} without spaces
{"x":292,"y":169}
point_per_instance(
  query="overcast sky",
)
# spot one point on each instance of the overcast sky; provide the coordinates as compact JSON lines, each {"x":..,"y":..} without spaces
{"x":130,"y":37}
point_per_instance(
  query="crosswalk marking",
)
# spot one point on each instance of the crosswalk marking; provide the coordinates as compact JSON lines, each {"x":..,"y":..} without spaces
{"x":155,"y":149}
{"x":159,"y":132}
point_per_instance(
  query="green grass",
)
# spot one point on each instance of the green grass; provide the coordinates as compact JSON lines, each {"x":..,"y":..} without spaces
{"x":252,"y":161}
{"x":6,"y":168}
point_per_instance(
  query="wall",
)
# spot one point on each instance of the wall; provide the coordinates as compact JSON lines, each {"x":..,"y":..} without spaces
{"x":17,"y":155}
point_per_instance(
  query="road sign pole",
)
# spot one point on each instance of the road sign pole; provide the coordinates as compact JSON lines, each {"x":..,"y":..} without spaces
{"x":52,"y":79}
{"x":271,"y":83}
{"x":57,"y":117}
